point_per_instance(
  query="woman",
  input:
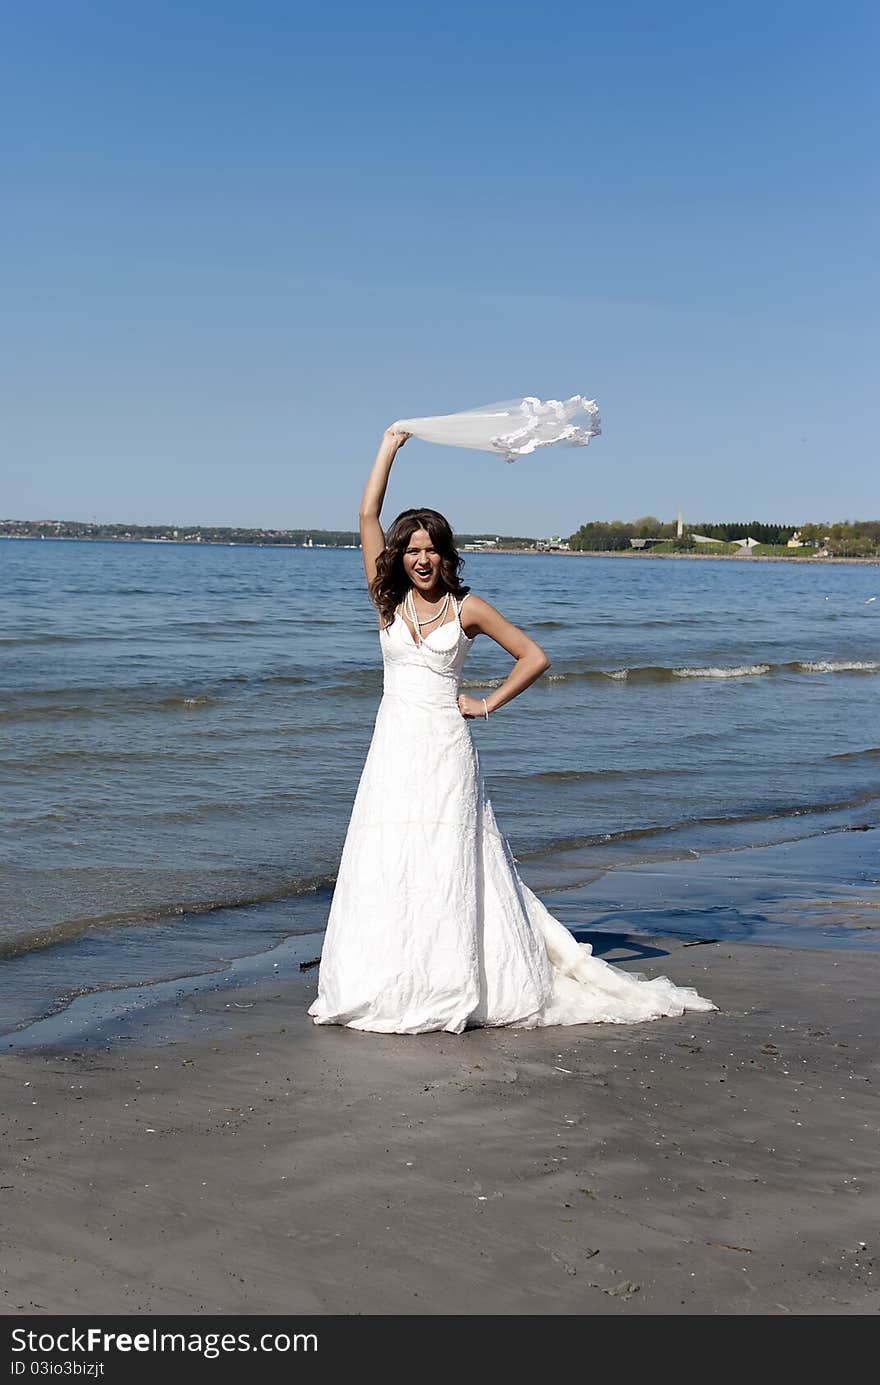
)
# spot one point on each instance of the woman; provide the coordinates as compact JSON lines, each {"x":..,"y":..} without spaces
{"x":430,"y":926}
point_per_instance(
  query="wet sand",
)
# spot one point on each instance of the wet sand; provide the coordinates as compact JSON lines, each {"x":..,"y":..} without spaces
{"x":219,"y":1153}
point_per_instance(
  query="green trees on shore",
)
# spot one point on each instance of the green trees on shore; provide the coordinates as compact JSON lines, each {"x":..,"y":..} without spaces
{"x":845,"y":539}
{"x":605,"y":536}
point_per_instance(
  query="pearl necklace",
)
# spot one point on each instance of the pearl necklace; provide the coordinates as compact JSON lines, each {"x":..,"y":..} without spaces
{"x":409,"y":607}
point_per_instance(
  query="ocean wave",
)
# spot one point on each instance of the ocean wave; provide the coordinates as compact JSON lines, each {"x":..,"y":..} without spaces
{"x":227,"y":809}
{"x":28,"y":704}
{"x":482,"y":682}
{"x":48,"y":638}
{"x":668,"y":673}
{"x":107,"y":701}
{"x":136,"y":757}
{"x":285,"y":679}
{"x":359,"y":682}
{"x":836,"y":666}
{"x":733,"y":671}
{"x":562,"y":776}
{"x":73,"y":709}
{"x":659,"y":673}
{"x":655,"y":830}
{"x":71,"y":929}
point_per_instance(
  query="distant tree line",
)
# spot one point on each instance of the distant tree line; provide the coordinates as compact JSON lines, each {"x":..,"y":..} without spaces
{"x":172,"y":533}
{"x":848,"y":538}
{"x":601,"y":535}
{"x":856,"y":539}
{"x":764,"y":533}
{"x":204,"y":533}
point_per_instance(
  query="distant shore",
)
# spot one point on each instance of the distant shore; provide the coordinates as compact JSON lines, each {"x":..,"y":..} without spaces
{"x":644,"y":553}
{"x":509,"y":552}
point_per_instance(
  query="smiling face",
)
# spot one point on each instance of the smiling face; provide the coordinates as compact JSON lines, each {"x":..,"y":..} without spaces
{"x":421,"y":563}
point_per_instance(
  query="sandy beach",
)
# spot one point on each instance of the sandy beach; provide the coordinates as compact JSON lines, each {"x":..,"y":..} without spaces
{"x":217,"y":1153}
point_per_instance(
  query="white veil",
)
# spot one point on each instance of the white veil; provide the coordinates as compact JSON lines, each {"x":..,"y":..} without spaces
{"x":513,"y":428}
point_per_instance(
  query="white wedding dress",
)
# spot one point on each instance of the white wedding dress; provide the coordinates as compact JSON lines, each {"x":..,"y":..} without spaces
{"x":430,"y":926}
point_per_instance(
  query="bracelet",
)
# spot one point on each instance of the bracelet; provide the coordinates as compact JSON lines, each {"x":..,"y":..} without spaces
{"x":486,"y":705}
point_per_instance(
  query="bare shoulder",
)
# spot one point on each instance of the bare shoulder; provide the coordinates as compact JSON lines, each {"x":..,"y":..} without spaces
{"x":480,"y":617}
{"x":474,"y":613}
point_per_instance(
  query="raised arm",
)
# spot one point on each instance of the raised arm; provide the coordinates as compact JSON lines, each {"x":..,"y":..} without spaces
{"x":372,"y":534}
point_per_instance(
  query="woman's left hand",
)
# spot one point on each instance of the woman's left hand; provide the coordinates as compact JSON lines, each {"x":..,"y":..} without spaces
{"x":471,"y":707}
{"x":396,"y":436}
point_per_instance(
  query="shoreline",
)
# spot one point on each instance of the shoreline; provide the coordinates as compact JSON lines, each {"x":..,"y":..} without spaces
{"x":814,"y":889}
{"x":509,"y":552}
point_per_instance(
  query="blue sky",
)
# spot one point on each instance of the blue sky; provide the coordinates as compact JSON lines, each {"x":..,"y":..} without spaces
{"x":239,"y":239}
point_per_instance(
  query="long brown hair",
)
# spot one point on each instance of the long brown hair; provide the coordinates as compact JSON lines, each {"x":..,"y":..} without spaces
{"x":390,"y":584}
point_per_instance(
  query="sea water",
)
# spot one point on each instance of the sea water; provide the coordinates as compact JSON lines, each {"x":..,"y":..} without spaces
{"x":182,"y":728}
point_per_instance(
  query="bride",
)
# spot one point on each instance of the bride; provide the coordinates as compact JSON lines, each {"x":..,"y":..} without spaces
{"x":431,"y":927}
